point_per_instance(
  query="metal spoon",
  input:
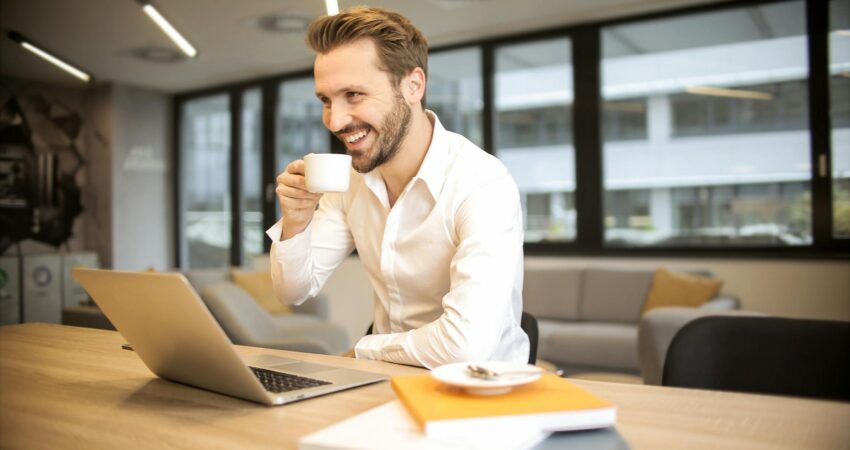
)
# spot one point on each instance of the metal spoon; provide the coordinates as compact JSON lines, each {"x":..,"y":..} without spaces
{"x":476,"y":371}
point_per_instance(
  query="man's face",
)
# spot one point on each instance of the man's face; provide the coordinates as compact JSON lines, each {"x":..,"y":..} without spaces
{"x":362,"y":107}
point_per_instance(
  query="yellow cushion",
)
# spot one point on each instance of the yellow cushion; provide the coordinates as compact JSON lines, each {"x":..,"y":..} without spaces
{"x":259,"y":286}
{"x":680,"y":289}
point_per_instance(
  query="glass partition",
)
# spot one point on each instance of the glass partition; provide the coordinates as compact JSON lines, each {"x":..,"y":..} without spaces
{"x":706,"y":139}
{"x":205,"y":171}
{"x":533,"y":104}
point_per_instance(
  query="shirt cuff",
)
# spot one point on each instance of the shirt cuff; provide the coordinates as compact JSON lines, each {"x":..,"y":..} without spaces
{"x":296,"y":246}
{"x":386,"y":347}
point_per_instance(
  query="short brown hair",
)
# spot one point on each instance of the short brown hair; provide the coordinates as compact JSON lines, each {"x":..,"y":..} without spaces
{"x":401,"y":46}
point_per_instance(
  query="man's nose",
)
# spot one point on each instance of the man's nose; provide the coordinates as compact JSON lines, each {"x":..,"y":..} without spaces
{"x":338,"y":116}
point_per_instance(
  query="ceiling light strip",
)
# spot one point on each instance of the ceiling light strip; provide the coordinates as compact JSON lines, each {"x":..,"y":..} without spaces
{"x":332,"y":6}
{"x":49,"y":57}
{"x":724,"y":92}
{"x":169,"y":30}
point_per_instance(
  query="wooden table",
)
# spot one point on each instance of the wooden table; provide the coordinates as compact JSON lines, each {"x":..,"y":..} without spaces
{"x":68,"y":387}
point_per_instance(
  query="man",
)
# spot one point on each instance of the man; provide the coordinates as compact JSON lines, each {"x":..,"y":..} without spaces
{"x":435,"y":220}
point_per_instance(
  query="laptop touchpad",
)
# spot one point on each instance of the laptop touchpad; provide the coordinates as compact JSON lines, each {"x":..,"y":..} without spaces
{"x":301,"y":368}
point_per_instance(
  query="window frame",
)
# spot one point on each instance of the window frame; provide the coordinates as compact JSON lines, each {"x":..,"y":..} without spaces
{"x":588,"y":140}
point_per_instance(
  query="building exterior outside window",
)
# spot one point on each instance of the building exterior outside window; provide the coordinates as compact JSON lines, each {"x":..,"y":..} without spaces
{"x":533,"y":103}
{"x":705,"y":137}
{"x":455,"y":91}
{"x":839,"y":93}
{"x":725,"y":156}
{"x":298,"y":125}
{"x":252,"y":160}
{"x":206,"y":206}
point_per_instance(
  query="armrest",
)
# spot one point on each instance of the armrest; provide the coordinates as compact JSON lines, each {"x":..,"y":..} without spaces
{"x":721,"y":303}
{"x":317,"y":306}
{"x":656,"y":330}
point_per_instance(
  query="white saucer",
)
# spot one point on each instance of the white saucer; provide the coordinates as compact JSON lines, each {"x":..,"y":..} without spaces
{"x":457,"y":375}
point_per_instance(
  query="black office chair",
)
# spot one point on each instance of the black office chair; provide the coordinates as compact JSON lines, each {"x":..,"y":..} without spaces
{"x":769,"y":355}
{"x":528,"y":324}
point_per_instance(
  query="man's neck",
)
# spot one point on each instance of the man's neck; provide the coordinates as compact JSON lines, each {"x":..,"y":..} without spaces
{"x":405,"y":165}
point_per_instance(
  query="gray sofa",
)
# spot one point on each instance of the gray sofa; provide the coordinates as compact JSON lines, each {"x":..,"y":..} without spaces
{"x":588,"y":317}
{"x":307,"y":329}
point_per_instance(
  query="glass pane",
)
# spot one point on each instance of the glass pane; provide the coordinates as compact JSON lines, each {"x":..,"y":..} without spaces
{"x":839,"y":93}
{"x":455,"y":91}
{"x":299,"y":124}
{"x":706,"y":139}
{"x":205,"y":146}
{"x":252,"y":160}
{"x":534,"y":98}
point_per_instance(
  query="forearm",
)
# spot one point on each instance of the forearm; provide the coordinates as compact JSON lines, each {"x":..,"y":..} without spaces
{"x":301,"y":265}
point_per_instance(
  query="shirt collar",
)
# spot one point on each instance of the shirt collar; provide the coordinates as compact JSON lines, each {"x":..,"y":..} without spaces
{"x":433,"y":169}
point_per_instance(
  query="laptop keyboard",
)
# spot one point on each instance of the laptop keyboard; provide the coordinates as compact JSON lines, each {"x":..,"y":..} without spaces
{"x":277,"y":382}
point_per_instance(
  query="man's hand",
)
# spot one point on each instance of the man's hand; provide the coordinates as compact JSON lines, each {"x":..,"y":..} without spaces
{"x":349,"y":354}
{"x":297,"y":204}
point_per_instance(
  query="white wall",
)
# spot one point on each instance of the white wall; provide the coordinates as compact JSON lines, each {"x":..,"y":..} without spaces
{"x":800,"y":289}
{"x":142,"y":194}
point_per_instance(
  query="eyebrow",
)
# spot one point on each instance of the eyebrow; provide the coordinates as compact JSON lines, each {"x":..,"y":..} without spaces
{"x":358,"y":88}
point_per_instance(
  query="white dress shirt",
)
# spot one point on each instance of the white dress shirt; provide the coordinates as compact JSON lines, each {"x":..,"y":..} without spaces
{"x":445,"y":261}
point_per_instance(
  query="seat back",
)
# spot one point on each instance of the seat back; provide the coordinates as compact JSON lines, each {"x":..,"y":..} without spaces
{"x":769,"y":355}
{"x":529,"y":324}
{"x":241,"y":318}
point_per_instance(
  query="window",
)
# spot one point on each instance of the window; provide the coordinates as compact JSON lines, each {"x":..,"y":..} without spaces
{"x":765,"y":107}
{"x":455,"y":92}
{"x":251,"y":154}
{"x":533,"y":102}
{"x":839,"y":93}
{"x":624,"y":119}
{"x":704,"y":135}
{"x":206,"y":210}
{"x":723,"y":156}
{"x":298,"y":125}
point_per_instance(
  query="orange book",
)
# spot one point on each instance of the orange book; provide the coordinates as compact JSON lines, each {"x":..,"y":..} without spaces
{"x":549,"y":404}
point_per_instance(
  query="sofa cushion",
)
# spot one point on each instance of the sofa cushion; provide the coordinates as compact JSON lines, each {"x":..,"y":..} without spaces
{"x":259,"y":285}
{"x":614,"y":295}
{"x":552,"y":293}
{"x":239,"y":315}
{"x":589,"y":344}
{"x":680,"y":289}
{"x":200,"y":279}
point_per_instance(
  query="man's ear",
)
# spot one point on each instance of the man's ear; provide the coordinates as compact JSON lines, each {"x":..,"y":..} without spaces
{"x":413,"y":86}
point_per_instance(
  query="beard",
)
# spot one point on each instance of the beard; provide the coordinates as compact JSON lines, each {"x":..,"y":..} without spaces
{"x":391,"y":133}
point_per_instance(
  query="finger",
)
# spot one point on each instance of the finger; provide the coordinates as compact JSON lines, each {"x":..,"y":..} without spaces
{"x":298,"y":203}
{"x":296,"y":167}
{"x":284,"y":191}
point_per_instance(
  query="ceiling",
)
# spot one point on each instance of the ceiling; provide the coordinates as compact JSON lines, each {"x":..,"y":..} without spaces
{"x":101,"y":36}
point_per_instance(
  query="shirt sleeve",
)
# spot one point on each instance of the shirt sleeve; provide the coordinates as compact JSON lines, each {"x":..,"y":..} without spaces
{"x":302,"y":264}
{"x":477,"y":310}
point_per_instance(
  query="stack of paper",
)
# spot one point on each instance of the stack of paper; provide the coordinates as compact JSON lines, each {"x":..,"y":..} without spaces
{"x":390,"y":427}
{"x":431,"y":415}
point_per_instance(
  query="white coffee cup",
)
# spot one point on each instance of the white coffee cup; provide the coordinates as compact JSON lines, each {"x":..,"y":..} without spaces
{"x":327,"y":172}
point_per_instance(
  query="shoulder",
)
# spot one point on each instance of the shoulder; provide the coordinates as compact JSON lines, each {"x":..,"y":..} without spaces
{"x":471,"y":168}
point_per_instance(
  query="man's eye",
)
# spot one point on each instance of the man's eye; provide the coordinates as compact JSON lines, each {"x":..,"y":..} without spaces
{"x":354,"y":94}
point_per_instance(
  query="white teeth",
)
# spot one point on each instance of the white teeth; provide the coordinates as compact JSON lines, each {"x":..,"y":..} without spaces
{"x":356,"y":137}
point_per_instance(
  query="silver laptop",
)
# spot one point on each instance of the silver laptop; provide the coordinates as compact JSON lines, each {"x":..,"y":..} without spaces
{"x":176,"y":336}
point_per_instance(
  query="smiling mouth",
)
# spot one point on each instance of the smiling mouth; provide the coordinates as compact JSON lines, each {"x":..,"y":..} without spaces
{"x":355,"y":137}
